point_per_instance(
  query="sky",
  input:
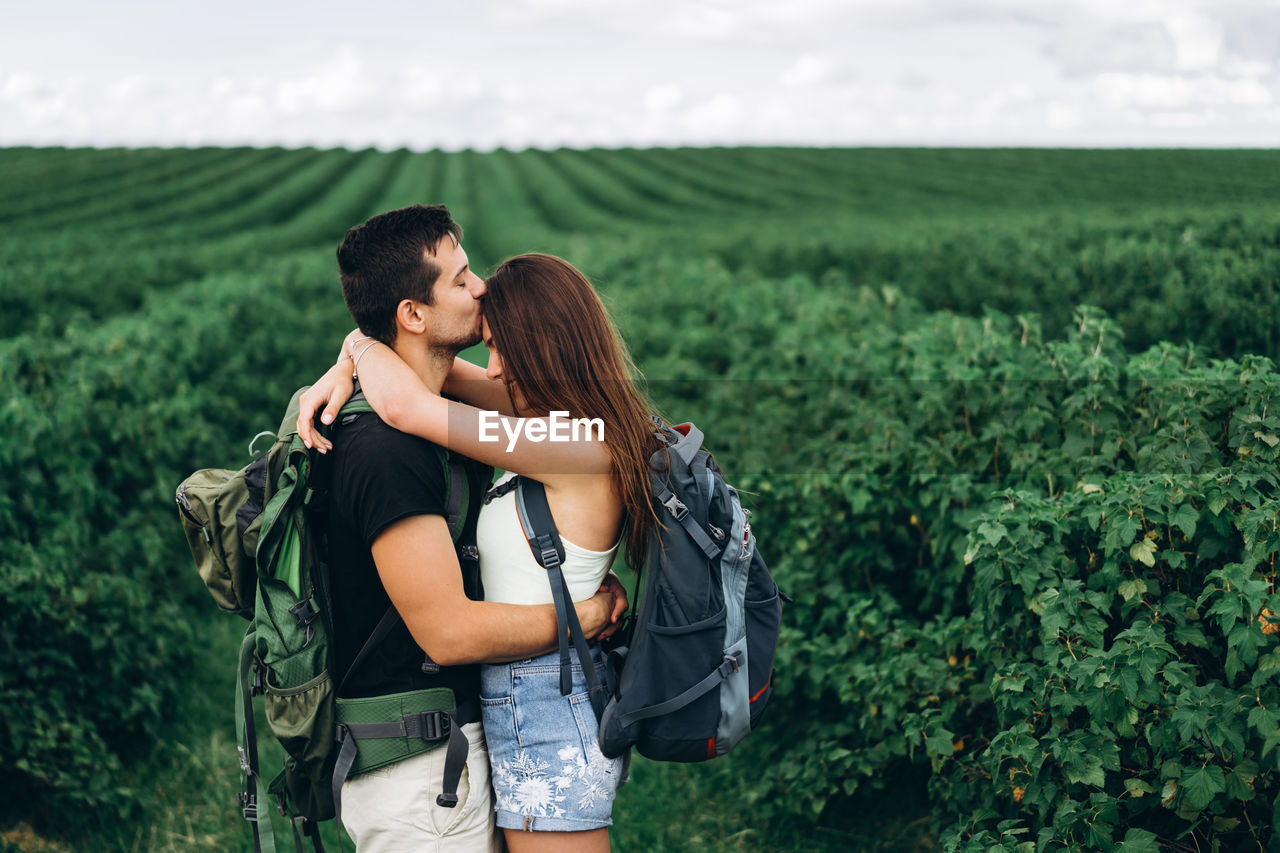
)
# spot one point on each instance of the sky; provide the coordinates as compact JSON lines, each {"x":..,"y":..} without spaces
{"x":484,"y":74}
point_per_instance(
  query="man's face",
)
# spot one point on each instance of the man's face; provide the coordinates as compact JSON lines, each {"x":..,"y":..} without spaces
{"x":455,"y":309}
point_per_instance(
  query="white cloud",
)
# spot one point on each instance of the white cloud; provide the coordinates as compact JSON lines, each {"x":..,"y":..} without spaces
{"x":1180,"y":119}
{"x":1234,"y":66}
{"x":1197,"y":40}
{"x":549,"y":72}
{"x":1161,"y":92}
{"x":1002,"y":105}
{"x":19,"y":86}
{"x":661,"y":99}
{"x":421,"y":86}
{"x":1060,"y":116}
{"x":808,"y":70}
{"x":714,"y":117}
{"x":338,"y":84}
{"x":703,"y":21}
{"x":127,"y":88}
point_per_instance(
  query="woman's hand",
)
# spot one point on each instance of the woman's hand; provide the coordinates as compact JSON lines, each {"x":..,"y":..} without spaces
{"x":329,"y":393}
{"x":614,"y":587}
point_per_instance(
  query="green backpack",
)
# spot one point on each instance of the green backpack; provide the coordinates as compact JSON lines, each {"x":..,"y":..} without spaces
{"x":258,"y":538}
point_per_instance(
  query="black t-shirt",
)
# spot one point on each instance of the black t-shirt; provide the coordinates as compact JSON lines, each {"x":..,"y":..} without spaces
{"x":380,"y":476}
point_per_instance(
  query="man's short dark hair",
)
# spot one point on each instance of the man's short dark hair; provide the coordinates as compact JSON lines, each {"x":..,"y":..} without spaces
{"x":389,"y":259}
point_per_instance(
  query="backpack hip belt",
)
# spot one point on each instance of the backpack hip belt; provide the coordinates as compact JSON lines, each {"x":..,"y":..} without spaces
{"x":376,"y":731}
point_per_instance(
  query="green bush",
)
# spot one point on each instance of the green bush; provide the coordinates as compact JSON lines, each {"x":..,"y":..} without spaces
{"x":1130,"y":625}
{"x":905,"y":639}
{"x":95,"y":582}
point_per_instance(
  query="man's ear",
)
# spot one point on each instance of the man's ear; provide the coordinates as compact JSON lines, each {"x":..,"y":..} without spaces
{"x":411,"y":316}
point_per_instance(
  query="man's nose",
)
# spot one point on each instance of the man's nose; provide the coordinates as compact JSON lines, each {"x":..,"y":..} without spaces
{"x":476,"y":287}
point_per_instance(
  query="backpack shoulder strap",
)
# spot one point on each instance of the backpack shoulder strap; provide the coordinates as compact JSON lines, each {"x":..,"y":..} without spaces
{"x":544,"y":541}
{"x":457,"y":489}
{"x":389,"y":620}
{"x":457,"y":493}
{"x":357,"y":405}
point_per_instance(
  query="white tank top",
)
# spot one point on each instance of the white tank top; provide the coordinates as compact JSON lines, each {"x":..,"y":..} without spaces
{"x":510,"y":573}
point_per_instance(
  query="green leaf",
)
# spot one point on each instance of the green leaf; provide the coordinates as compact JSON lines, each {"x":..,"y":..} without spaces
{"x":1263,"y":719}
{"x":1138,"y":788}
{"x":1132,"y":587}
{"x":1138,"y":841}
{"x":1203,"y":784}
{"x":992,"y":531}
{"x":1270,"y":744}
{"x":1227,"y":609}
{"x":1144,"y":551}
{"x":1100,"y":834}
{"x":1121,"y":531}
{"x":1225,"y":824}
{"x":1190,"y":721}
{"x":940,"y":744}
{"x":1185,"y":518}
{"x":1091,"y":774}
{"x":1190,"y":635}
{"x":1240,"y":780}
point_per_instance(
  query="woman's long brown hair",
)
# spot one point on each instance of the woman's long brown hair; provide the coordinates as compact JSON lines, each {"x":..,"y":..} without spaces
{"x":563,"y":354}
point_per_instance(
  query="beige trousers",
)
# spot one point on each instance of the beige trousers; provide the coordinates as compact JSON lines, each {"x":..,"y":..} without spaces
{"x":393,"y":809}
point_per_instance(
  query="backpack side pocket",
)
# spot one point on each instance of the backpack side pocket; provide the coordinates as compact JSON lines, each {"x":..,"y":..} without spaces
{"x":208,"y":503}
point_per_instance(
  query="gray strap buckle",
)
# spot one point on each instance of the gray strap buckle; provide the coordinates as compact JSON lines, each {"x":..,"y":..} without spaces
{"x":430,"y":726}
{"x":676,"y":507}
{"x":248,"y":805}
{"x":547,"y":548}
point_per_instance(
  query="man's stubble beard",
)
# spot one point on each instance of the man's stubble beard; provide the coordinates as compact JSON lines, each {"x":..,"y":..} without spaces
{"x":446,"y":352}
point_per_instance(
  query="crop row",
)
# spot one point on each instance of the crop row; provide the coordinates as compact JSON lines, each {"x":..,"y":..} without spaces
{"x":903,"y":218}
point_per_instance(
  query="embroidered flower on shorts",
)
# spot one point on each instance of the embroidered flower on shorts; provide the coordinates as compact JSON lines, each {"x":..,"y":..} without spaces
{"x":525,"y":787}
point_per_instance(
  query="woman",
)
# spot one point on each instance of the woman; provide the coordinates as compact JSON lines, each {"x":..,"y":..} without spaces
{"x":553,"y":349}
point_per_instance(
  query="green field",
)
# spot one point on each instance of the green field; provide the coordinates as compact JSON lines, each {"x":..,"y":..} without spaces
{"x":1005,"y":419}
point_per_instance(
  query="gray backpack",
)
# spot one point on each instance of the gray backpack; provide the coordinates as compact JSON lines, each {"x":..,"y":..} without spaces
{"x":690,"y":674}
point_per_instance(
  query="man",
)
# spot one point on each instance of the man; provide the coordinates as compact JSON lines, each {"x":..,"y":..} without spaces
{"x":407,"y":282}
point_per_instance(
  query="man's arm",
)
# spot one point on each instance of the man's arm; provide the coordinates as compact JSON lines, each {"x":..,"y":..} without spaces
{"x":419,"y":569}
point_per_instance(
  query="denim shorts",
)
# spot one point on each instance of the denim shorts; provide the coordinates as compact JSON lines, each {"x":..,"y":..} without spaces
{"x":547,"y":769}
